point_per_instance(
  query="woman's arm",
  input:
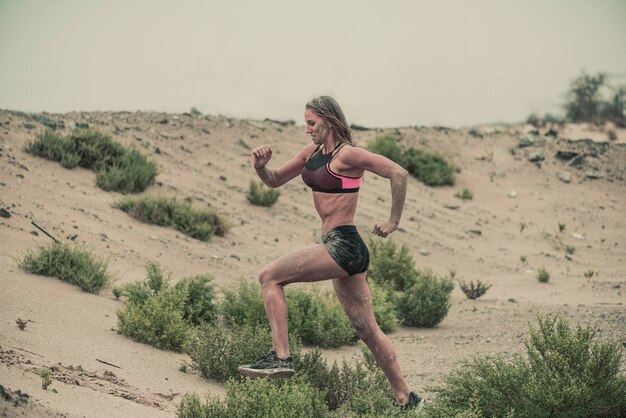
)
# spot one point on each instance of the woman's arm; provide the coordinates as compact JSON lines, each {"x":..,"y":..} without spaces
{"x":360,"y":158}
{"x":276,"y":178}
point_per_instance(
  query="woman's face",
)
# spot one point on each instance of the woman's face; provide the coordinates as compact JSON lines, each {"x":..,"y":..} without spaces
{"x":316,"y":127}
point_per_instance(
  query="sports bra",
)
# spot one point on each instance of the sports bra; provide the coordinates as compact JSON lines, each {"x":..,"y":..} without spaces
{"x":317,"y":174}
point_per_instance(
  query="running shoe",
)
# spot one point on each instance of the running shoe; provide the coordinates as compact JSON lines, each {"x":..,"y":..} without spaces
{"x":269,"y":366}
{"x":414,"y":402}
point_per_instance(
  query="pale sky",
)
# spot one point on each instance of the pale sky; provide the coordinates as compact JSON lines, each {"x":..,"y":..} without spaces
{"x":388,"y":63}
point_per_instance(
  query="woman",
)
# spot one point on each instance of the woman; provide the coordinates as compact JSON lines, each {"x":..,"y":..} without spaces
{"x":333,"y":167}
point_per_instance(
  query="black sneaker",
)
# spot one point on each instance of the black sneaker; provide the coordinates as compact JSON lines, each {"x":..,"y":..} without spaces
{"x":269,"y":366}
{"x":414,"y":402}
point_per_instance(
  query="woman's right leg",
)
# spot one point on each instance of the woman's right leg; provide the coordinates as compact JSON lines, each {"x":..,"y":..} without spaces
{"x":308,"y":265}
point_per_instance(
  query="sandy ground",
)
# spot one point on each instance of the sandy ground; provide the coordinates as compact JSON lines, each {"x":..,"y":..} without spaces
{"x":100,"y":373}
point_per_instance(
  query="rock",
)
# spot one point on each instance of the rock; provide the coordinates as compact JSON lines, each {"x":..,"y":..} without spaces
{"x":564,"y":176}
{"x":566,"y":155}
{"x":594,"y":174}
{"x":525,"y":142}
{"x":552,"y":133}
{"x":577,"y":236}
{"x":424,"y":252}
{"x":512,"y":194}
{"x":536,"y":157}
{"x":5,"y":213}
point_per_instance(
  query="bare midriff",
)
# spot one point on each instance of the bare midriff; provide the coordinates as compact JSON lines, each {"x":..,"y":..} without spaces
{"x":335,"y":209}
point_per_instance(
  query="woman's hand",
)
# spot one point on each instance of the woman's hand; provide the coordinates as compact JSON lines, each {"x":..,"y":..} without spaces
{"x":384,"y":229}
{"x":261,"y":156}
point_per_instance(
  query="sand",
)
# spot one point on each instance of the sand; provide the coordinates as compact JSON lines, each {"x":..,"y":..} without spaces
{"x":99,"y":373}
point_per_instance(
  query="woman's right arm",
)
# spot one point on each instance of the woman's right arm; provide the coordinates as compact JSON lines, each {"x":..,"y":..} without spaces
{"x":276,"y":178}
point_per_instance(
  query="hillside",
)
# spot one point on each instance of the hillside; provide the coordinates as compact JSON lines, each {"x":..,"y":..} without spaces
{"x":577,"y":178}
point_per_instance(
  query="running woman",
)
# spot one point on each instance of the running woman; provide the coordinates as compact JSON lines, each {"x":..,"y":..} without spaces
{"x":332,"y":166}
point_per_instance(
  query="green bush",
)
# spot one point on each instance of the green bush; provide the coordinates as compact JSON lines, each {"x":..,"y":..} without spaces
{"x":465,"y":194}
{"x":68,"y":262}
{"x":318,"y":318}
{"x":119,"y":169}
{"x":158,"y":321}
{"x":168,"y":212}
{"x":567,"y":374}
{"x":391,"y":267}
{"x":426,"y":303}
{"x":257,"y":398}
{"x":430,"y":169}
{"x":260,"y":195}
{"x":244,"y":304}
{"x":216,"y":352}
{"x":384,"y":308}
{"x":387,"y":146}
{"x":163,"y":316}
{"x":543,"y":275}
{"x":358,"y":390}
{"x":314,"y":316}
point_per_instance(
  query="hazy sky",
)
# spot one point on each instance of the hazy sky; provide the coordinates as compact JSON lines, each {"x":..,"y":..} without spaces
{"x":388,"y":63}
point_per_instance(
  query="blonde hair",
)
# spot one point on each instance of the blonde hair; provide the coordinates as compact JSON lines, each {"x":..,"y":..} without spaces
{"x":328,"y":109}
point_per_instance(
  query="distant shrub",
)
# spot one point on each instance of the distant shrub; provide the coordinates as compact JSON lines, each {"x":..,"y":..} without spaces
{"x":426,"y":303}
{"x":118,"y":169}
{"x":543,"y":275}
{"x":430,"y":169}
{"x":257,"y":398}
{"x":216,"y":352}
{"x":163,"y":316}
{"x":567,"y":373}
{"x":68,"y":262}
{"x":387,"y":146}
{"x":260,"y":195}
{"x":391,"y":267}
{"x":465,"y":194}
{"x":163,"y":211}
{"x":474,"y":291}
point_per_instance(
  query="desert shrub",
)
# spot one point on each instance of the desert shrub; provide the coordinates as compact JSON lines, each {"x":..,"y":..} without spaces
{"x":384,"y":307}
{"x":390,"y":266}
{"x":132,"y":173}
{"x":426,"y":303}
{"x":314,"y":316}
{"x":257,"y":398}
{"x":163,"y":316}
{"x":474,"y":291}
{"x":158,"y":321}
{"x":387,"y":146}
{"x":567,"y":373}
{"x":355,"y":390}
{"x":163,"y":211}
{"x":69,"y":262}
{"x":318,"y":318}
{"x":199,"y":299}
{"x":543,"y":275}
{"x":216,"y":352}
{"x":465,"y":194}
{"x":119,"y":169}
{"x":244,"y":304}
{"x":431,"y":169}
{"x":260,"y":195}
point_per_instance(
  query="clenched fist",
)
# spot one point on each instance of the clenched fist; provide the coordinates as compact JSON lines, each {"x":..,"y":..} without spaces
{"x":261,"y":156}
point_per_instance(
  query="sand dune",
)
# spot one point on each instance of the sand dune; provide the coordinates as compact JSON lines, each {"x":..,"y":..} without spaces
{"x":100,"y":373}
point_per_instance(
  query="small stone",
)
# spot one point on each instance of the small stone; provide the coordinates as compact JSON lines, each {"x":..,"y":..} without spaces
{"x":536,"y":157}
{"x":578,"y":236}
{"x":512,"y":194}
{"x":424,"y":252}
{"x":5,"y":213}
{"x":564,"y":176}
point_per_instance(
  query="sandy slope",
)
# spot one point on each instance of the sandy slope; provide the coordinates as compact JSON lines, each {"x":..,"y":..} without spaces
{"x":206,"y":159}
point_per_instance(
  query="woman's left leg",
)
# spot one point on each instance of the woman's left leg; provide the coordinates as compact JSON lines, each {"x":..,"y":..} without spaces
{"x":356,"y":299}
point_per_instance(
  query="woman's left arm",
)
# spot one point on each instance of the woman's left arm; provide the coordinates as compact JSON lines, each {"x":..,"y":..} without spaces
{"x":384,"y":167}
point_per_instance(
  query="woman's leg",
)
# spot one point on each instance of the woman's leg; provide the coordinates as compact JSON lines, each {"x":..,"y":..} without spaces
{"x":356,"y":299}
{"x":308,"y":265}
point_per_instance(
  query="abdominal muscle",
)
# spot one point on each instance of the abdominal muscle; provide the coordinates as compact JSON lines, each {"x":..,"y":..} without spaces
{"x":335,"y":209}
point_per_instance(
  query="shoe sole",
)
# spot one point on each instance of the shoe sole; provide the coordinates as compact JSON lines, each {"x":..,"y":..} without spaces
{"x":278,"y":373}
